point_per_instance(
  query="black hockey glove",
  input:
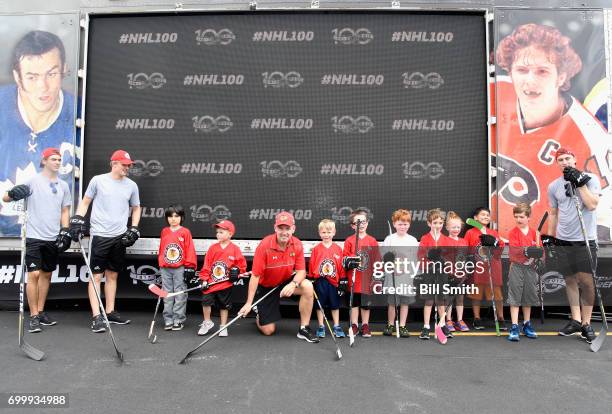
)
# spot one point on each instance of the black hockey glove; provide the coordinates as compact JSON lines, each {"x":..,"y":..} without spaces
{"x":389,"y":257}
{"x":576,"y":177}
{"x":19,"y":192}
{"x":488,"y":241}
{"x":342,"y":286}
{"x":63,"y":240}
{"x":435,"y":255}
{"x":533,"y":252}
{"x":130,"y":236}
{"x":234,"y":274}
{"x":77,"y":227}
{"x":351,"y":262}
{"x":190,"y":278}
{"x":548,"y":240}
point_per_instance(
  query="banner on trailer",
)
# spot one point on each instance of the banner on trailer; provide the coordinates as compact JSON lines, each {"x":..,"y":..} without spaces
{"x":241,"y":115}
{"x":551,"y":92}
{"x":38,"y":82}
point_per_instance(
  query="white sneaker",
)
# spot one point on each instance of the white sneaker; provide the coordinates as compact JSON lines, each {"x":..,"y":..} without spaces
{"x":205,"y":326}
{"x":224,"y":331}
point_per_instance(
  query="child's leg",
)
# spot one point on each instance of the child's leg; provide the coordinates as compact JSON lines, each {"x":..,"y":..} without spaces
{"x":320,"y":317}
{"x":223,"y":313}
{"x":459,"y":307}
{"x":427,"y":312}
{"x":168,"y":286}
{"x":390,"y":314}
{"x":514,"y":314}
{"x":476,"y":308}
{"x":403,"y":315}
{"x":526,"y":314}
{"x":365,"y":316}
{"x":336,"y":316}
{"x":355,"y":315}
{"x":180,"y":301}
{"x":206,"y":310}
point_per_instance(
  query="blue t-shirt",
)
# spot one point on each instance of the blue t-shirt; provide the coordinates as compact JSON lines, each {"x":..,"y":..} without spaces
{"x":21,"y":150}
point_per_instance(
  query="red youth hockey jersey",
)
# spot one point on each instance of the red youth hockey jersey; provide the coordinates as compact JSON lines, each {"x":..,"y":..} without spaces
{"x":176,"y":249}
{"x":472,"y":237}
{"x":518,"y":241}
{"x":326,"y":262}
{"x":217,"y":264}
{"x":369,"y":252}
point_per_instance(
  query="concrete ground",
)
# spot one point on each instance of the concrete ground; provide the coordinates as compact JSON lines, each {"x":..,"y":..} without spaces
{"x":250,"y":373}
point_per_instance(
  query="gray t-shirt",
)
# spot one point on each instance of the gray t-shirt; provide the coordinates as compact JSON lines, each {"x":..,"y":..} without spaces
{"x":45,"y":206}
{"x":112,"y":200}
{"x":568,"y":224}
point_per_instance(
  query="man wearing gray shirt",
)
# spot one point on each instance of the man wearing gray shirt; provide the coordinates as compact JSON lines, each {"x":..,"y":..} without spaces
{"x":49,"y":202}
{"x":574,"y":261}
{"x":113,"y":195}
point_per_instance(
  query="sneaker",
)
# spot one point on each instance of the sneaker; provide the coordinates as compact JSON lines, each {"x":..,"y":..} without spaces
{"x":321,"y":332}
{"x":34,"y":324}
{"x":446,"y":331}
{"x":307,"y":335}
{"x":502,"y":325}
{"x":462,"y":326}
{"x":573,"y":327}
{"x":388,"y":330}
{"x":513,"y":335}
{"x":528,"y":330}
{"x":355,"y":329}
{"x":168,"y":326}
{"x":478,"y":324}
{"x":98,"y":324}
{"x":404,"y":332}
{"x":450,"y":325}
{"x":424,"y":334}
{"x":205,"y":326}
{"x":178,"y":326}
{"x":365,"y":331}
{"x":114,"y":317}
{"x":223,"y":331}
{"x":45,"y":319}
{"x":339,"y":332}
{"x":587,"y":333}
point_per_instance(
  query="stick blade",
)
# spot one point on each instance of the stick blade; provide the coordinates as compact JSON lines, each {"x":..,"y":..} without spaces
{"x":351,"y":336}
{"x":31,"y":352}
{"x":397,"y":333}
{"x":338,"y":353}
{"x":156,"y":290}
{"x":440,"y":335}
{"x":601,"y":338}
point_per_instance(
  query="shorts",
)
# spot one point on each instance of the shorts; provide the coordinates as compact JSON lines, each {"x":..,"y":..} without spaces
{"x":429,"y":286}
{"x":222,"y":299}
{"x":572,"y":257}
{"x":483,"y":292}
{"x":327,"y":294}
{"x":522,"y":286}
{"x":401,"y":300}
{"x":41,"y":255}
{"x":268,"y":309}
{"x":362,"y":300}
{"x":106,"y":253}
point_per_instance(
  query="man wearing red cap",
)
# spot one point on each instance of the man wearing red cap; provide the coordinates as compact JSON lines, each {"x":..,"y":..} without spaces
{"x":564,"y":224}
{"x":49,"y":202}
{"x":276,"y":259}
{"x":113,"y":195}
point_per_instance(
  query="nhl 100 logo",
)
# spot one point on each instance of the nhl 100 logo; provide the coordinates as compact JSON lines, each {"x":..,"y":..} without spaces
{"x":348,"y":125}
{"x":278,"y":169}
{"x":277,"y":79}
{"x":209,"y":124}
{"x":343,"y":214}
{"x":151,"y":168}
{"x":206,"y":213}
{"x":421,"y":170}
{"x":211,"y":37}
{"x":418,"y":80}
{"x":142,"y":81}
{"x":348,"y":36}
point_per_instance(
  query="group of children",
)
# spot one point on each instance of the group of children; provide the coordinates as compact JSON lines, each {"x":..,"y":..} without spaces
{"x":337,"y":271}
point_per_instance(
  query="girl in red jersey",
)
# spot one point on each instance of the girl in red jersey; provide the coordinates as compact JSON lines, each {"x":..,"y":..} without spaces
{"x":458,"y":246}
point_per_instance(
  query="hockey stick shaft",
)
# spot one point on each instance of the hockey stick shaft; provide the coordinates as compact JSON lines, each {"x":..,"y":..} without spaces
{"x":152,"y":337}
{"x":338,"y":352}
{"x":227,"y":325}
{"x":397,"y":333}
{"x":540,"y":287}
{"x":100,"y":305}
{"x":351,"y":333}
{"x":156,"y":290}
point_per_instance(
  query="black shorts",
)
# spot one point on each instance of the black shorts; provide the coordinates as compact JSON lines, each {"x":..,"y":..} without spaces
{"x":362,"y":300}
{"x":429,"y":286}
{"x":327,"y":293}
{"x":107,"y":253}
{"x":572,"y":257}
{"x":222,"y":299}
{"x":41,"y":255}
{"x":269,"y":308}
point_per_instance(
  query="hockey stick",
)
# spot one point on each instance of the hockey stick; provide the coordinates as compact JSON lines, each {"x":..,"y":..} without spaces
{"x":156,"y":290}
{"x":100,"y":305}
{"x":397,"y":333}
{"x":29,"y":350}
{"x":338,"y":352}
{"x":227,"y":325}
{"x":598,"y":342}
{"x":541,"y":288}
{"x":153,"y":338}
{"x":440,"y":336}
{"x":351,"y":333}
{"x":487,"y":258}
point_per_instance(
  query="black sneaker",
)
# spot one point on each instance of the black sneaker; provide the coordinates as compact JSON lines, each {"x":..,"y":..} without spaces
{"x":46,"y":320}
{"x":424,"y":334}
{"x":34,"y":325}
{"x":307,"y":335}
{"x":587,"y":333}
{"x":97,"y":324}
{"x":478,"y":324}
{"x":446,"y":332}
{"x":502,"y":325}
{"x":572,"y":328}
{"x":114,"y":317}
{"x":178,"y":326}
{"x":388,"y":330}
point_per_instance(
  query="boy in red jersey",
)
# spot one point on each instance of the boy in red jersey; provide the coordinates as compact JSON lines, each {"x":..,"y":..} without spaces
{"x":222,"y":265}
{"x":369,"y":254}
{"x":325,"y":267}
{"x":177,"y":262}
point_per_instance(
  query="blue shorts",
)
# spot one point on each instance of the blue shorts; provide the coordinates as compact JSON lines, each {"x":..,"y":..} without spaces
{"x":327,"y":293}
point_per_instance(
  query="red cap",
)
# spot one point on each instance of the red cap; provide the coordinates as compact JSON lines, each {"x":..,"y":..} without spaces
{"x":47,"y":152}
{"x":122,"y":156}
{"x":284,"y":218}
{"x":563,"y":151}
{"x":226,"y":225}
